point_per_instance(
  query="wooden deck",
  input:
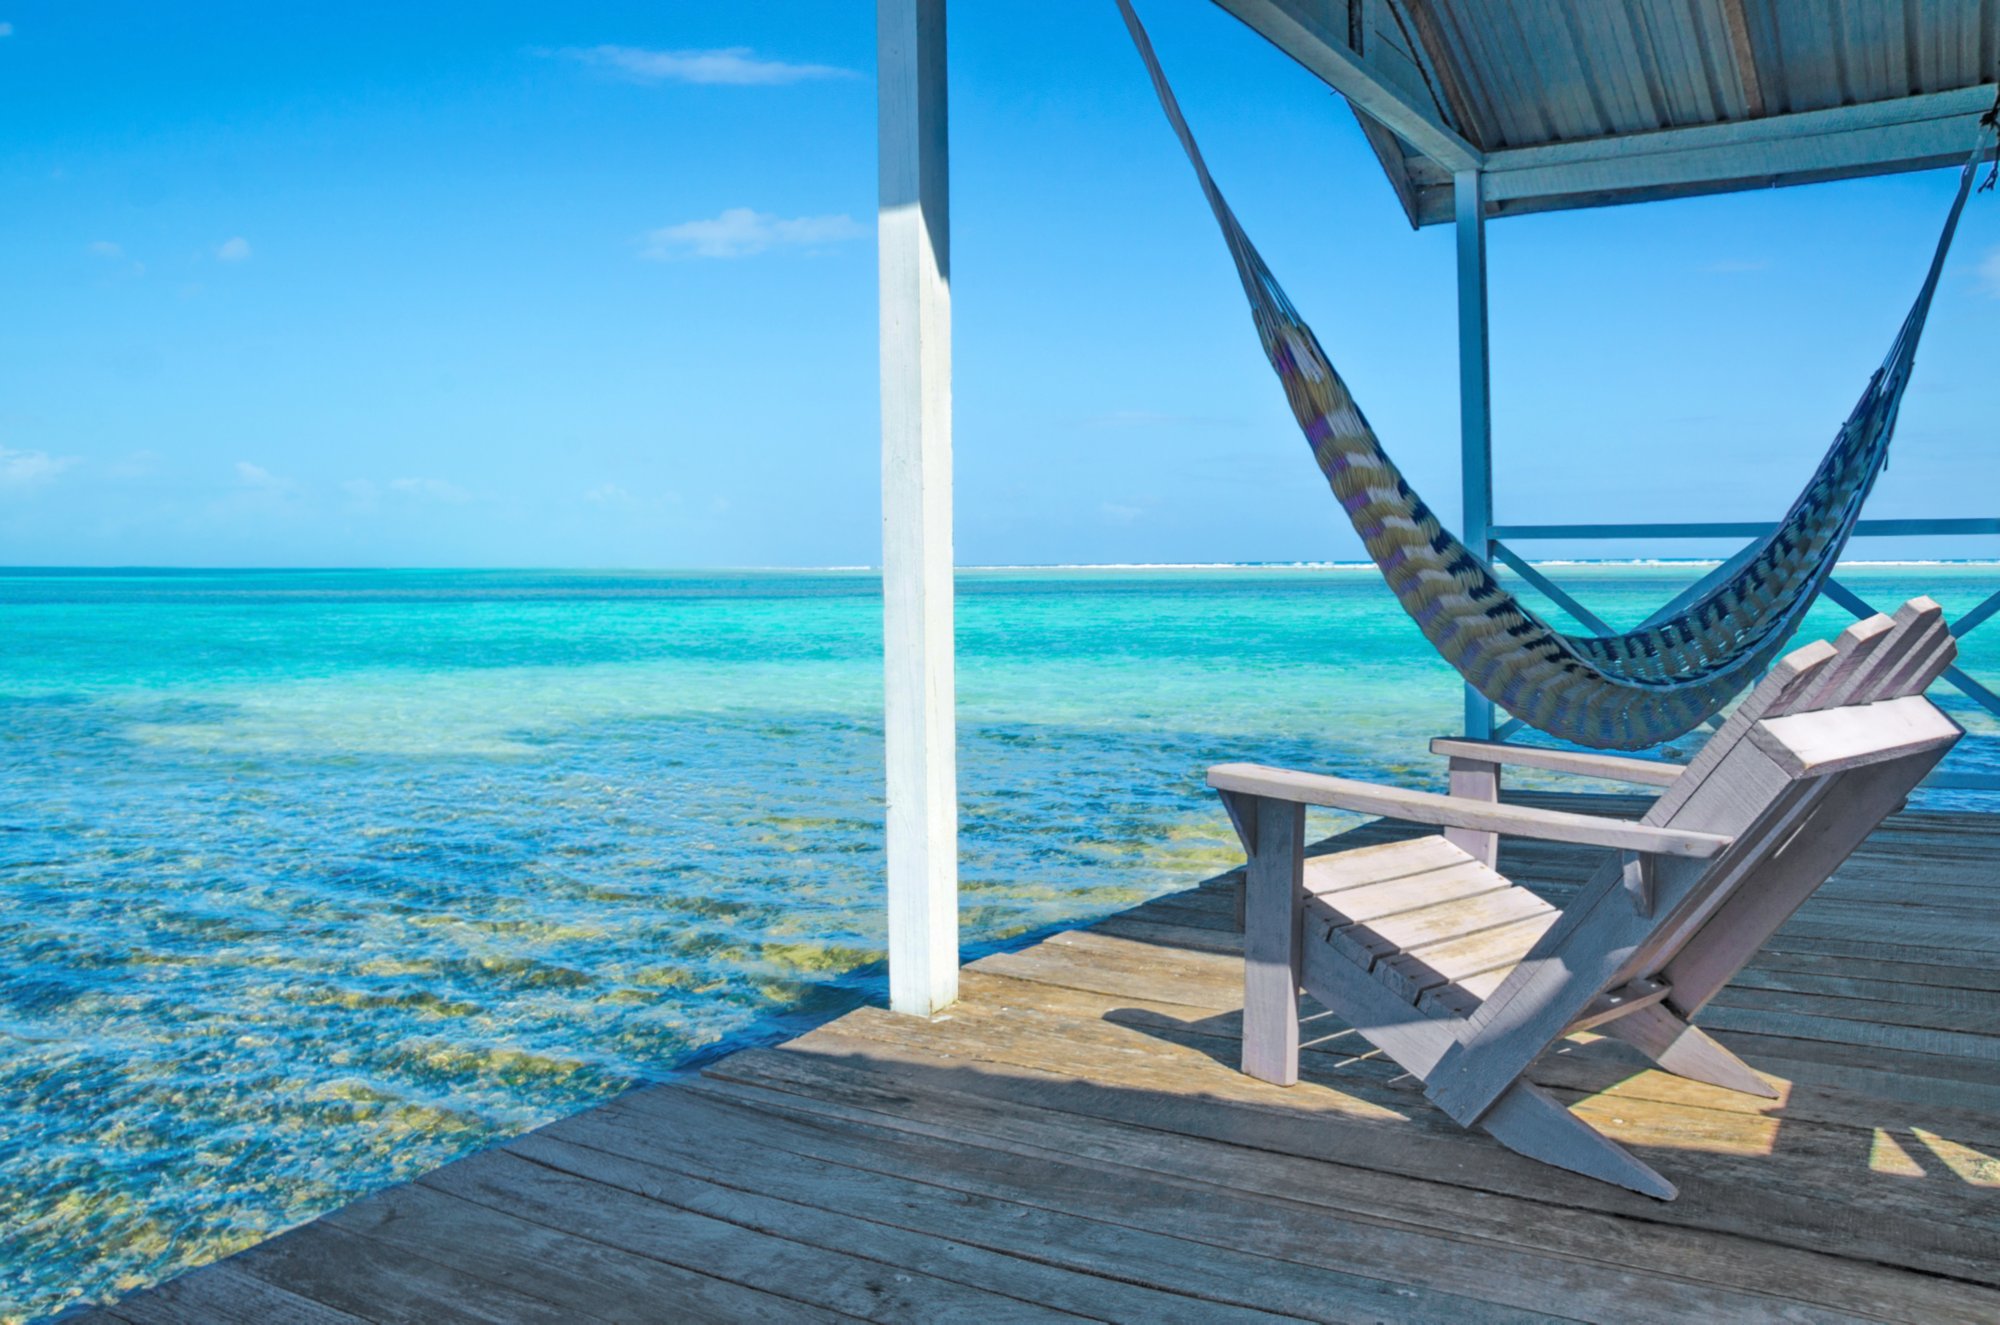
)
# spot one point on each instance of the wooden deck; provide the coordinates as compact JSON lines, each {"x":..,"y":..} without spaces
{"x":1073,"y":1139}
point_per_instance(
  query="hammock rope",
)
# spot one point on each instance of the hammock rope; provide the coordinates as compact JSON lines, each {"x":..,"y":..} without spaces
{"x":1626,"y":691}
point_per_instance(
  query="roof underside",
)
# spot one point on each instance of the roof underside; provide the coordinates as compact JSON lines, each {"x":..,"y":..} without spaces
{"x":1581,"y":103}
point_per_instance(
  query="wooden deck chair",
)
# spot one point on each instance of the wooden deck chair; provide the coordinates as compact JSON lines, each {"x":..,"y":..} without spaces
{"x":1464,"y":978}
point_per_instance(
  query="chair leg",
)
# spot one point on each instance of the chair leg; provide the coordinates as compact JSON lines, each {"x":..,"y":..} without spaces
{"x":1478,"y":780}
{"x":1686,"y":1051}
{"x":1272,"y":886}
{"x":1531,"y":1122}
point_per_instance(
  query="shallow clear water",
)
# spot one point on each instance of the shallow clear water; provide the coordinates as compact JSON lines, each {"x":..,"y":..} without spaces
{"x":312,"y":881}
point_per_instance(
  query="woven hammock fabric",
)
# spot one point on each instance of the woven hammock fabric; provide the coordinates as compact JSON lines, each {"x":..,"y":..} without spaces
{"x":1621,"y":692}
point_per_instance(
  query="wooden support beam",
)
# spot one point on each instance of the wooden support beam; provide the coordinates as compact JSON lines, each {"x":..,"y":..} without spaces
{"x":1618,"y":1003}
{"x":1308,"y":33}
{"x":918,"y":701}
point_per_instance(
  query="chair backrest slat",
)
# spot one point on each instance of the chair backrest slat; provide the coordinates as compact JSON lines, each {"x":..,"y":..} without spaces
{"x":1919,"y":627}
{"x":1930,"y":654}
{"x":1880,"y":658}
{"x":1856,"y":646}
{"x":1794,"y":672}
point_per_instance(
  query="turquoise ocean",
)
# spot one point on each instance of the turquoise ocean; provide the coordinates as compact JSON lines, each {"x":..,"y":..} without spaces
{"x":310,"y":881}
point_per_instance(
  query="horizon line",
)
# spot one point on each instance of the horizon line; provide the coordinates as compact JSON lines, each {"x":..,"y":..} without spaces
{"x":853,"y":569}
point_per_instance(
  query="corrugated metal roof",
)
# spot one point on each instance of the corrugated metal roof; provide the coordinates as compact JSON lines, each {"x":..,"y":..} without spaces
{"x":1815,"y":89}
{"x":1542,"y":71}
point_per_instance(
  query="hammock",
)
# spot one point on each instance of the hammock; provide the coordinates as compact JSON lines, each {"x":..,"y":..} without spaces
{"x":1622,"y":692}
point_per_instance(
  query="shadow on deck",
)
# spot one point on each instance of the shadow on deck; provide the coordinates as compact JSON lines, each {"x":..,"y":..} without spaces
{"x":1073,"y":1138}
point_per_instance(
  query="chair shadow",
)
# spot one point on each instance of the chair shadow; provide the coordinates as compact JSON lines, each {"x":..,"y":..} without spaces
{"x":1329,"y":1050}
{"x":1887,"y":1143}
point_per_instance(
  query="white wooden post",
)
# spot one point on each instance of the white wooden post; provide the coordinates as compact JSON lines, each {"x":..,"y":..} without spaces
{"x":1475,"y":403}
{"x":918,"y":706}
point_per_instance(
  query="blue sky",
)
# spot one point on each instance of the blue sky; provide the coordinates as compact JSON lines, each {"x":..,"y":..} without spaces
{"x":593,"y":285}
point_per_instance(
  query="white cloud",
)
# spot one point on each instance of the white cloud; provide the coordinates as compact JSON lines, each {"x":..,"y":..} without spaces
{"x":1119,"y":512}
{"x":233,"y":250}
{"x":139,"y":464}
{"x":430,"y":489}
{"x":107,"y":251}
{"x":30,"y":469}
{"x":1989,"y":273}
{"x":739,"y":232}
{"x":608,"y":494}
{"x":260,"y":479}
{"x":6,"y":29}
{"x":734,"y":65}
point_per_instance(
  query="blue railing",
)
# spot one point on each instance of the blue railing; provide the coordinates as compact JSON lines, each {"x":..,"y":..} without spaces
{"x":1499,"y":553}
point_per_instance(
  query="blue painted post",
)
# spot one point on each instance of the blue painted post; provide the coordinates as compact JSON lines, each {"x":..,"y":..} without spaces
{"x":1475,"y":403}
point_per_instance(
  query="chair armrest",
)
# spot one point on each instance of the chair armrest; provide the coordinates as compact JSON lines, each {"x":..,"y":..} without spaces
{"x":1426,"y":807}
{"x":1583,"y":763}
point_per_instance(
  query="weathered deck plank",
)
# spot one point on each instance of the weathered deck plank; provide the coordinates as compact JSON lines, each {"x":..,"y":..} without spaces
{"x":1073,"y":1140}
